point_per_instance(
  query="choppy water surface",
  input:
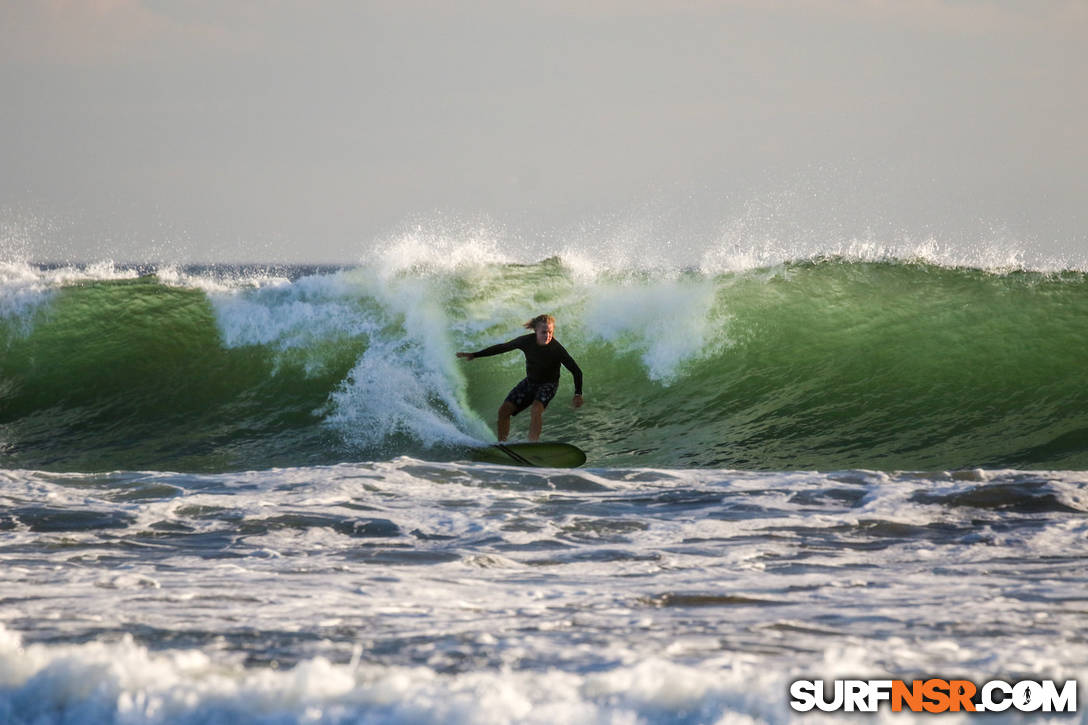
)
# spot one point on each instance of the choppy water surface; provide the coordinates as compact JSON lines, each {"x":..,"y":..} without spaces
{"x":468,"y":592}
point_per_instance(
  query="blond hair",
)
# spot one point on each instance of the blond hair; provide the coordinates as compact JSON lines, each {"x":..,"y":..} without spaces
{"x":547,"y":319}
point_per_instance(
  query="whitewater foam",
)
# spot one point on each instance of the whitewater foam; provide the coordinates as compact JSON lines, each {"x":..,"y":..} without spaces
{"x":407,"y":380}
{"x":98,"y":683}
{"x":290,"y":315}
{"x":668,"y":323}
{"x":443,"y":591}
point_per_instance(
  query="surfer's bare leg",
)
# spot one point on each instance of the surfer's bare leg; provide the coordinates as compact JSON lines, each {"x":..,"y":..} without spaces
{"x":536,"y":420}
{"x":505,"y":410}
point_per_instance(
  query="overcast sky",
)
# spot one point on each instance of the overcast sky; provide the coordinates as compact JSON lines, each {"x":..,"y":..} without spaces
{"x":302,"y":130}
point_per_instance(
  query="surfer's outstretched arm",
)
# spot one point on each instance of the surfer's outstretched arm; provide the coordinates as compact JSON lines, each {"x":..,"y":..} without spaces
{"x":489,"y":351}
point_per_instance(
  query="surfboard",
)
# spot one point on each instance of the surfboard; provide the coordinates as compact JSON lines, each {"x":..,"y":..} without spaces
{"x":547,"y":455}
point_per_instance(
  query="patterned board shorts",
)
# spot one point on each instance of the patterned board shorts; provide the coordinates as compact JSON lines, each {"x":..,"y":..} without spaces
{"x":525,"y":392}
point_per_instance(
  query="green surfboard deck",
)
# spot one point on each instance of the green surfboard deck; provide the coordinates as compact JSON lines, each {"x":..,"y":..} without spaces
{"x":547,"y":455}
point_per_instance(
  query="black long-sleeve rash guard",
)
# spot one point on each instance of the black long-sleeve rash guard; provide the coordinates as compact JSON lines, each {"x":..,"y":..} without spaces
{"x":541,"y":361}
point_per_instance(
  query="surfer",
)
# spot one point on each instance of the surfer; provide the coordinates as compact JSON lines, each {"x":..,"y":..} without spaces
{"x":543,"y":355}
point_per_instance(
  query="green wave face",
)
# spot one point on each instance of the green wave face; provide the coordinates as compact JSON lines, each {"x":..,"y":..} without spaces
{"x":823,"y":365}
{"x":832,"y":366}
{"x":134,"y":374}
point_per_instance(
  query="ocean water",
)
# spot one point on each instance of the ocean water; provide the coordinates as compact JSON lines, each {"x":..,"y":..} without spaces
{"x":240,"y":494}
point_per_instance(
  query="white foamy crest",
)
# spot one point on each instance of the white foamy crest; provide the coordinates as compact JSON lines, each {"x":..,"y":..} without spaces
{"x":291,"y":315}
{"x":25,"y":287}
{"x":668,"y":323}
{"x":743,"y":254}
{"x":213,"y":283}
{"x":22,"y":291}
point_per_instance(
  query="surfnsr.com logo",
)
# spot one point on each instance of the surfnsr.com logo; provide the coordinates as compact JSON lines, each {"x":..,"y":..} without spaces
{"x":933,"y":695}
